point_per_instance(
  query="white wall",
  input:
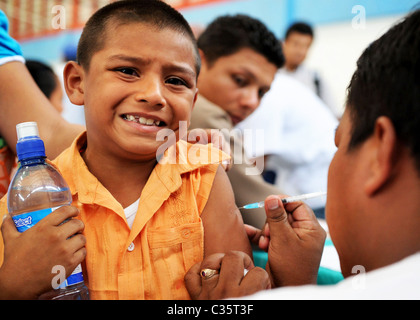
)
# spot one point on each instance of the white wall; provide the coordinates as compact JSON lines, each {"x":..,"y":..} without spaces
{"x":338,"y":46}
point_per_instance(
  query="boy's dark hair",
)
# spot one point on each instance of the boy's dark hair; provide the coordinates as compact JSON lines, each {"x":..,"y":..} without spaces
{"x":43,"y":76}
{"x":154,"y":12}
{"x":300,"y":27}
{"x":387,"y":83}
{"x":228,"y":34}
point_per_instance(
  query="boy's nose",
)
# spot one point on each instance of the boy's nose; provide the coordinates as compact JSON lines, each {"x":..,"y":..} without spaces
{"x":150,"y":92}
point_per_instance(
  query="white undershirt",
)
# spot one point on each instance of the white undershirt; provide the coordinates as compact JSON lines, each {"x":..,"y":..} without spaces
{"x":130,"y":213}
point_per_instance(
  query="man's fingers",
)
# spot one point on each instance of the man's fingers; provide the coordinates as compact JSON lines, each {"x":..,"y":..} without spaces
{"x":277,"y":218}
{"x":232,"y":269}
{"x":253,"y":233}
{"x":192,"y":281}
{"x":256,"y":279}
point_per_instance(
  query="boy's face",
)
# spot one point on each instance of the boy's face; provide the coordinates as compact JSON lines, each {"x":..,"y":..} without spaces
{"x":237,"y":82}
{"x":142,"y":81}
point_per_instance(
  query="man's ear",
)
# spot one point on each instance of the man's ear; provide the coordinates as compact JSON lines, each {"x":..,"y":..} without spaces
{"x":383,"y":156}
{"x":73,"y":82}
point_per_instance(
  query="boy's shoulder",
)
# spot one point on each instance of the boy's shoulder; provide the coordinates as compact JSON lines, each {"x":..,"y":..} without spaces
{"x":67,"y":155}
{"x":188,"y":156}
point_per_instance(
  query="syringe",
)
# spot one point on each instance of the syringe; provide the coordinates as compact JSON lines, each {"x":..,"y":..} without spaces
{"x":286,"y":200}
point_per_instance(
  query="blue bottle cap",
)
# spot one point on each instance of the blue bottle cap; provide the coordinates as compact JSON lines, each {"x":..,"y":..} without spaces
{"x":29,"y":144}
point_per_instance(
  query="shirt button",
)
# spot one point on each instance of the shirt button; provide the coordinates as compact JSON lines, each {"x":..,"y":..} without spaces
{"x":186,"y":233}
{"x":131,"y":247}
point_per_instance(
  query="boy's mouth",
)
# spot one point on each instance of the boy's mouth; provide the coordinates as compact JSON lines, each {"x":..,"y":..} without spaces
{"x":143,"y":120}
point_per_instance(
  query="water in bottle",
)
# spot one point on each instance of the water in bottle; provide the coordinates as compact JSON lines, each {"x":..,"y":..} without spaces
{"x":37,"y":189}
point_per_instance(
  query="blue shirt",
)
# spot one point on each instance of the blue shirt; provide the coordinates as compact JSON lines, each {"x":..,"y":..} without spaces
{"x":9,"y":48}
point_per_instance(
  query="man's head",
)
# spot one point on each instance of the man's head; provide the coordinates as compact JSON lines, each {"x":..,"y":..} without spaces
{"x":387,"y":83}
{"x":240,"y":57}
{"x":136,"y":74}
{"x":373,"y":207}
{"x":298,"y":40}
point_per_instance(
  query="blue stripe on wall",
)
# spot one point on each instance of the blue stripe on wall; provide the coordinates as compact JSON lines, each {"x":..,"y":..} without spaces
{"x":277,"y":14}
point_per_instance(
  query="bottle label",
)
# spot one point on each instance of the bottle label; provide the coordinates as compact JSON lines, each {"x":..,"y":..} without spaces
{"x":26,"y":221}
{"x":76,"y":276}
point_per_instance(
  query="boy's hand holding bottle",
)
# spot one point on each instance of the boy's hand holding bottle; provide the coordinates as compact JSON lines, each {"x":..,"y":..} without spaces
{"x":30,"y":256}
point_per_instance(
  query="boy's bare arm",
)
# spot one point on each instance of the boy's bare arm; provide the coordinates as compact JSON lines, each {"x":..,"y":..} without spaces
{"x":223,"y":225}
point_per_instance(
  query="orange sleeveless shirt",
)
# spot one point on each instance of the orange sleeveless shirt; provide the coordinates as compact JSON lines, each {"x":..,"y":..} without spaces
{"x":149,"y":260}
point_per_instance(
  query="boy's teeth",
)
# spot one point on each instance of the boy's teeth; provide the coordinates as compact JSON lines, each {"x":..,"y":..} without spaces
{"x":142,"y":120}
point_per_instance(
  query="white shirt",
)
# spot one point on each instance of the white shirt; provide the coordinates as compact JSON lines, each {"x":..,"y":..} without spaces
{"x":311,"y":79}
{"x":297,"y":129}
{"x":400,"y":280}
{"x":130,"y":213}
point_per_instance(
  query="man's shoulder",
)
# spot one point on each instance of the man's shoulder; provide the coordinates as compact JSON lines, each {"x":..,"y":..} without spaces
{"x":208,"y":115}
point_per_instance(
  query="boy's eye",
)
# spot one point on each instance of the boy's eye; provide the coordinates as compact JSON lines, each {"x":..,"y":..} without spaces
{"x":128,"y":71}
{"x":176,"y":82}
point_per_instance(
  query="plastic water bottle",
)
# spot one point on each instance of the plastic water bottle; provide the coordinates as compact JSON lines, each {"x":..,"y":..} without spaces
{"x":37,"y":189}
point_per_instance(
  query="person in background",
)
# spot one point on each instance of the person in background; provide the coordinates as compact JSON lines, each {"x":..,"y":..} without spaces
{"x":47,"y":81}
{"x":240,"y":57}
{"x":373,"y":203}
{"x":21,"y":100}
{"x":297,"y":141}
{"x":297,"y":42}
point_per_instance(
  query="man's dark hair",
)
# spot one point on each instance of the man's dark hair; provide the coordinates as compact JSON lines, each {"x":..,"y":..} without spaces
{"x":154,"y":12}
{"x":300,"y":27}
{"x":387,"y":83}
{"x":228,"y":34}
{"x":43,"y":76}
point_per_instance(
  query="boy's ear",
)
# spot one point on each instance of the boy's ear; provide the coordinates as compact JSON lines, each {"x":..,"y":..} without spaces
{"x":73,"y":82}
{"x":383,"y":155}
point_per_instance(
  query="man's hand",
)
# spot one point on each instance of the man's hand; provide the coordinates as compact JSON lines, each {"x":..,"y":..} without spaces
{"x":294,"y":241}
{"x":230,"y":280}
{"x":30,"y":256}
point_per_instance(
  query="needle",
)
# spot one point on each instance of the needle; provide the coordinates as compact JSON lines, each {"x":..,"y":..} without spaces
{"x":301,"y":197}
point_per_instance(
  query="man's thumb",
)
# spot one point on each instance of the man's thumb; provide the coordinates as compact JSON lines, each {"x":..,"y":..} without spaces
{"x":8,"y":228}
{"x":276,"y":216}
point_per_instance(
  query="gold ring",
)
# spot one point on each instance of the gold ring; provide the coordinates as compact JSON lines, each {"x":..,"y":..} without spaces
{"x":208,"y":273}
